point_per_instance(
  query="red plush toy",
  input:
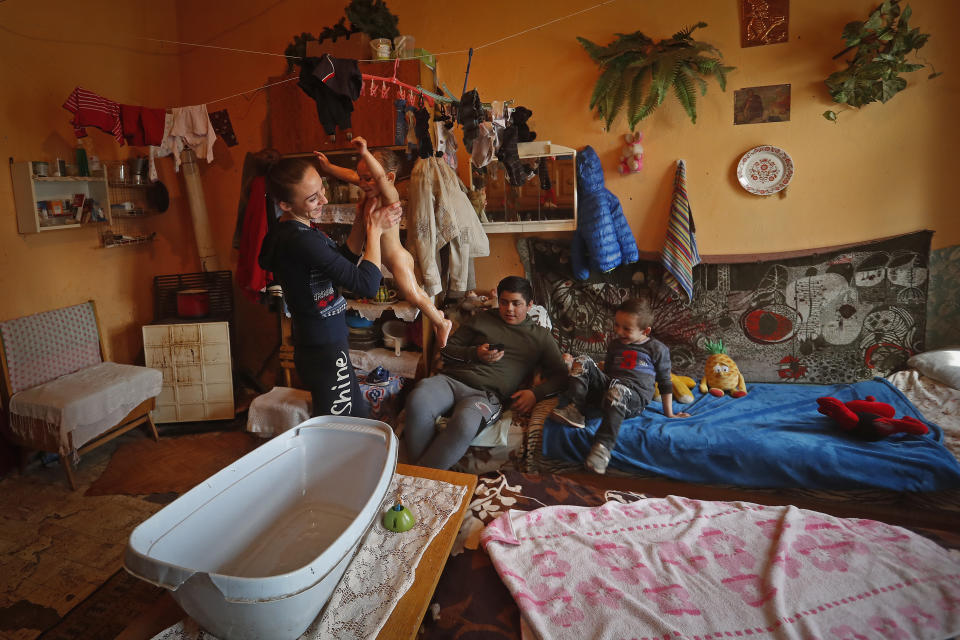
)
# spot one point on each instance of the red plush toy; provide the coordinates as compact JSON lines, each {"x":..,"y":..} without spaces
{"x":869,"y":419}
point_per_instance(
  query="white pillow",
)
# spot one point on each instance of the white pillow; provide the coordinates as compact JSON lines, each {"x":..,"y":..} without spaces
{"x":943,"y":365}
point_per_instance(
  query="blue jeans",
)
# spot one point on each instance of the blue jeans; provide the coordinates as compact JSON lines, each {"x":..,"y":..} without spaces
{"x":589,"y":387}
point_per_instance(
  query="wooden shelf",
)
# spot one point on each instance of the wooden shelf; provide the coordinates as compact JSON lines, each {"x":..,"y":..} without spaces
{"x":29,"y":190}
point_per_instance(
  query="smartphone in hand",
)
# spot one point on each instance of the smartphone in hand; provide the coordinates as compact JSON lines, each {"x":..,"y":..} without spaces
{"x":496,"y":347}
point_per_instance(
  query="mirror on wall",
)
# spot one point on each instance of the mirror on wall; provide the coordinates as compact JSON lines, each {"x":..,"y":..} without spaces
{"x":548,"y":196}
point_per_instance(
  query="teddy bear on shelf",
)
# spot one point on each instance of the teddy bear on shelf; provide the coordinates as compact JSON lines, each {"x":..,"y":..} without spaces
{"x":520,"y":117}
{"x":631,"y":159}
{"x":869,"y":419}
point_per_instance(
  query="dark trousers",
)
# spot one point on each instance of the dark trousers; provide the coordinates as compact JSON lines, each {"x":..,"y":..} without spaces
{"x":589,"y":387}
{"x":327,"y":372}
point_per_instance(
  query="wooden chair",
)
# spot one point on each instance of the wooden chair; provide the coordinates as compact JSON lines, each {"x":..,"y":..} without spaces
{"x":56,"y":371}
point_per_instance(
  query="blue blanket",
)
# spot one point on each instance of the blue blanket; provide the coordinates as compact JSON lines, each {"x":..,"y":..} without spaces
{"x":773,"y":437}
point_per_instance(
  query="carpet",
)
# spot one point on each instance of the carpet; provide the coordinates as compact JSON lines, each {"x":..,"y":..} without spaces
{"x":822,"y":317}
{"x":172,"y":465}
{"x":108,"y":610}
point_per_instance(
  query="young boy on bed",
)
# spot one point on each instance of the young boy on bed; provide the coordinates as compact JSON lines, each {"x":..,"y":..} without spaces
{"x":634,"y":362}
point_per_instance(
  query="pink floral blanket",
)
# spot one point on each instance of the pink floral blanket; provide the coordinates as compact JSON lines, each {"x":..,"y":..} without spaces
{"x":673,"y":567}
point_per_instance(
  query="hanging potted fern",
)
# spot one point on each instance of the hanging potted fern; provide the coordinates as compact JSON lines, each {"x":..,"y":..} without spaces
{"x":633,"y":62}
{"x":882,"y":42}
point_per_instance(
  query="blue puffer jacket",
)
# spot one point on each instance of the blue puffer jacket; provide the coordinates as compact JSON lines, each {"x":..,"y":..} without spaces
{"x":603,"y":239}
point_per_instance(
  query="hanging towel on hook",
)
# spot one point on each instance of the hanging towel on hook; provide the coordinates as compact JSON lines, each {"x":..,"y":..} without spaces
{"x":680,"y":253}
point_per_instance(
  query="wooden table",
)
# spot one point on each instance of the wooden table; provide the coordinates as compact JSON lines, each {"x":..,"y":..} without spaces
{"x":405,"y":620}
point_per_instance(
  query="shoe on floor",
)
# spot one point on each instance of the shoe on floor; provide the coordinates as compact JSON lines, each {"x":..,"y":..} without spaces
{"x":569,"y":415}
{"x":598,"y":459}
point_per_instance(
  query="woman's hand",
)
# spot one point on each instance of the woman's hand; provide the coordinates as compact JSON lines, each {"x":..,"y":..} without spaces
{"x":384,"y":218}
{"x":323,"y":160}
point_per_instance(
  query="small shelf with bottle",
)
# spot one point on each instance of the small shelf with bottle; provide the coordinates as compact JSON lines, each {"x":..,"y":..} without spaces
{"x":47,"y":203}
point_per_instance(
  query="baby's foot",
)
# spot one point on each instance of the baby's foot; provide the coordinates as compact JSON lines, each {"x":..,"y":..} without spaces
{"x":443,"y":332}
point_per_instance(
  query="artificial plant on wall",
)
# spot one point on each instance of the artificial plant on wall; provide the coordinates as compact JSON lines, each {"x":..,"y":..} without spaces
{"x":882,"y":42}
{"x":371,"y":17}
{"x":633,"y":62}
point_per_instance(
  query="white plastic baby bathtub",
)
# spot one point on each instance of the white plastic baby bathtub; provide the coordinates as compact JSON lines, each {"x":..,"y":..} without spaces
{"x":256,"y":550}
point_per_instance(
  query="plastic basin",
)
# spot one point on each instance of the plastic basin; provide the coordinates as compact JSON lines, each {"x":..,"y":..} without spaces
{"x":256,"y":550}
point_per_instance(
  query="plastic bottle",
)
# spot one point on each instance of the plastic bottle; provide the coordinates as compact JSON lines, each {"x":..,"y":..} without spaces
{"x":83,"y":168}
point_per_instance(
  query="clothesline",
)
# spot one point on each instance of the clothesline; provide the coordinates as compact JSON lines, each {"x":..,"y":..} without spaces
{"x":419,"y":89}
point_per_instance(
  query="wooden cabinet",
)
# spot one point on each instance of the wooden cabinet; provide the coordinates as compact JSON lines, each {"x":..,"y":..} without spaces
{"x":35,"y":196}
{"x":194,"y":359}
{"x":295,"y":127}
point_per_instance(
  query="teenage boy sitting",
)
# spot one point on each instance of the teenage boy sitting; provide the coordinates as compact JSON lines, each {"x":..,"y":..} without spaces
{"x":485,"y":362}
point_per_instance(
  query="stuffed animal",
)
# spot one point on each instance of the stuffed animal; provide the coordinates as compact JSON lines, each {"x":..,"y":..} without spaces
{"x":720,"y":373}
{"x":680,"y":388}
{"x":868,"y":419}
{"x":519,"y":118}
{"x":631,"y":160}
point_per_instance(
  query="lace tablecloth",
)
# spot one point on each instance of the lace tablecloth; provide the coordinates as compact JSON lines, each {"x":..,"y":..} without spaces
{"x":381,"y":572}
{"x":371,"y":311}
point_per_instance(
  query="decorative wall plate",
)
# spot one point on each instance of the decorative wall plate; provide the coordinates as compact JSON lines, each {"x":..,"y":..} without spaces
{"x":765,"y":170}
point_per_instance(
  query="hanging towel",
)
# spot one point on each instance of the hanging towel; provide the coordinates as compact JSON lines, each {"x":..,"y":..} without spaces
{"x":680,"y":253}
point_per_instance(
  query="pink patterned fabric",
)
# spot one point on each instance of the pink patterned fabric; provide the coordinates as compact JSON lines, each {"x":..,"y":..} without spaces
{"x":47,"y":345}
{"x":680,"y":568}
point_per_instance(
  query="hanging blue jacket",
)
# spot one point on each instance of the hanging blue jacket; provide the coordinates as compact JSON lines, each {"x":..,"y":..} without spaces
{"x":603,"y":239}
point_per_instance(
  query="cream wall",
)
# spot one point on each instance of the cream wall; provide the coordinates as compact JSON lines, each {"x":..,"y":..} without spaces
{"x":885,"y":170}
{"x":882,"y":171}
{"x":46,"y":49}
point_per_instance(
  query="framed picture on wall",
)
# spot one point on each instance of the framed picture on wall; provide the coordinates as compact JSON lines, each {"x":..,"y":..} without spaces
{"x":753,"y":105}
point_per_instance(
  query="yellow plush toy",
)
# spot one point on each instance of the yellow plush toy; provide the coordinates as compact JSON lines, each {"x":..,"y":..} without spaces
{"x":681,"y":389}
{"x":720,"y":373}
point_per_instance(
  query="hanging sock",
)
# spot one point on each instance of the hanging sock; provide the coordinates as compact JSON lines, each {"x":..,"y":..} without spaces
{"x":223,"y":127}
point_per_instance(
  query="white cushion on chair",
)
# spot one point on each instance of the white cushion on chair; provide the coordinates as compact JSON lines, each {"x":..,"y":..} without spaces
{"x":84,"y":404}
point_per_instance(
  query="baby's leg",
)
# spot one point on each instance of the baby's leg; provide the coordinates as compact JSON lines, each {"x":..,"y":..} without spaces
{"x":400,"y":263}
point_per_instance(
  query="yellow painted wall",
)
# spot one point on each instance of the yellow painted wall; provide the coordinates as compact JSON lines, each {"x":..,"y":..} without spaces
{"x":882,"y":171}
{"x":885,"y":170}
{"x":46,"y":49}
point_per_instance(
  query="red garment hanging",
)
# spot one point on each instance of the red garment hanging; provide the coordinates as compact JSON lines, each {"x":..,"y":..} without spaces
{"x":250,"y":277}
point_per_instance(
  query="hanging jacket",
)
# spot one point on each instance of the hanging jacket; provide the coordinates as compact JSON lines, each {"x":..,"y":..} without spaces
{"x":251,"y":277}
{"x":440,"y":214}
{"x":603,"y":239}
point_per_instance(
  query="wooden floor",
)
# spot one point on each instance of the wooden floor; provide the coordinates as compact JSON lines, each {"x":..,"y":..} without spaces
{"x":56,"y":545}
